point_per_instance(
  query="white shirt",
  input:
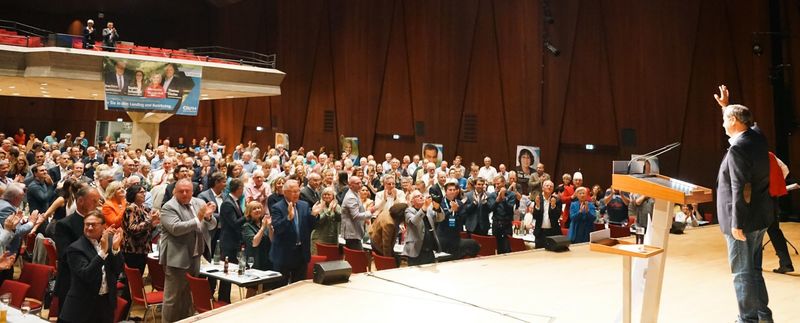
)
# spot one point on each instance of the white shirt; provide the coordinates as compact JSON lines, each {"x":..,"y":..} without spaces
{"x":103,"y":254}
{"x":546,"y":214}
{"x":487,"y":173}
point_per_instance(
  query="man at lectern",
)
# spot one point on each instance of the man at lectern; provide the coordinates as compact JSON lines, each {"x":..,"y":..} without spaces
{"x":745,"y":209}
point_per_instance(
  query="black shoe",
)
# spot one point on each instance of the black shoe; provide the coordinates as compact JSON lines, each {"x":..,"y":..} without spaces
{"x":783,"y":270}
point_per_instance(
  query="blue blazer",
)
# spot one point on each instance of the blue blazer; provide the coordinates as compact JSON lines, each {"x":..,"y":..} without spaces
{"x":283,"y":251}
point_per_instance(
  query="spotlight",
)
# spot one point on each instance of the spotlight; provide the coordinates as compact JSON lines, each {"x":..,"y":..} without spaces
{"x":395,"y":136}
{"x":552,"y":49}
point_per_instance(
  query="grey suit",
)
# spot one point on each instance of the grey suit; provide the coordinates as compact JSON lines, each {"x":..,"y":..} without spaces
{"x":415,"y":230}
{"x":177,"y":245}
{"x":353,"y":217}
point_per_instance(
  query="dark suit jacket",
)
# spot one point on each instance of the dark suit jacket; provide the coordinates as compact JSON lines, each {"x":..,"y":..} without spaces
{"x":39,"y":196}
{"x":308,"y":195}
{"x":179,"y":85}
{"x":745,"y":165}
{"x":87,"y":272}
{"x":88,"y":38}
{"x":283,"y":251}
{"x":449,"y":237}
{"x":476,"y":216}
{"x":111,"y":79}
{"x":110,"y":38}
{"x":208,"y":196}
{"x":55,"y":173}
{"x":553,"y":213}
{"x":68,"y":230}
{"x":231,"y":220}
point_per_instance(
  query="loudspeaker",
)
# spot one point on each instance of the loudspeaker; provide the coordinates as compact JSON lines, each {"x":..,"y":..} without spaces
{"x":556,"y":243}
{"x":332,"y":272}
{"x":419,"y":128}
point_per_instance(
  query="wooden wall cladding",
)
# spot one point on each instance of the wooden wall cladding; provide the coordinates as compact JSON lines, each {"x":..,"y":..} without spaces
{"x":419,"y":68}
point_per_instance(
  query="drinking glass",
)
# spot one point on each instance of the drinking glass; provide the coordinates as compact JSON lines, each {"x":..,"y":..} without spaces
{"x":250,"y":261}
{"x":25,"y":308}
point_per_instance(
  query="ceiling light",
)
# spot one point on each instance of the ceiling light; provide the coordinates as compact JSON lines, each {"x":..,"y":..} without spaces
{"x":589,"y":147}
{"x":45,"y":92}
{"x":259,"y":128}
{"x":14,"y":93}
{"x":45,"y":95}
{"x":119,"y":119}
{"x":43,"y":84}
{"x":203,"y":95}
{"x":94,"y":94}
{"x":12,"y":87}
{"x":70,"y":97}
{"x":42,"y":88}
{"x":230,"y":97}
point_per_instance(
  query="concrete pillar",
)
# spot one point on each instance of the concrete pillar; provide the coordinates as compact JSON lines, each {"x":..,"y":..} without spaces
{"x":146,"y":127}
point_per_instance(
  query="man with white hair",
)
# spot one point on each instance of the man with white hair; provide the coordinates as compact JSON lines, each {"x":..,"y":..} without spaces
{"x":88,"y":35}
{"x":387,"y":164}
{"x":354,"y":215}
{"x":487,"y":171}
{"x":247,"y":162}
{"x":9,"y":207}
{"x":389,"y":196}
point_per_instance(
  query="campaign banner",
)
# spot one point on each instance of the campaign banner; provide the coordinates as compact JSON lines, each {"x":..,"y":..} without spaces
{"x":147,"y":86}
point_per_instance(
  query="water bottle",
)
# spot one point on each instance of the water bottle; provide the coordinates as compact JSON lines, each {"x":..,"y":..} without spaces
{"x":215,"y":261}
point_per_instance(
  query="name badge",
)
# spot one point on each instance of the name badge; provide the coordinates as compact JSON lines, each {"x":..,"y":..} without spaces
{"x":451,"y":221}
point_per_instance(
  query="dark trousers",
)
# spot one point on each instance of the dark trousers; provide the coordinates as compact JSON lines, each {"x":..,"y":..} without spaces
{"x":101,"y":313}
{"x":354,"y":244}
{"x":480,"y":231}
{"x":225,"y":287}
{"x":779,"y":243}
{"x":295,"y":269}
{"x":503,"y":245}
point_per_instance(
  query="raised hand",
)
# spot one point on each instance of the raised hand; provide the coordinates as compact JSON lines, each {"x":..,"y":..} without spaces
{"x":12,"y":221}
{"x":723,"y":97}
{"x":118,"y":237}
{"x":317,"y":208}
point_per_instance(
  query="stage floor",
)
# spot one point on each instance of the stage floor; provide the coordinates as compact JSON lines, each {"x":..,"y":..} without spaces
{"x":531,"y":286}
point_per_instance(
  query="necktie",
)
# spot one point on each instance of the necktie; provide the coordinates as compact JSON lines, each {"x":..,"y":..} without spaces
{"x":119,"y":81}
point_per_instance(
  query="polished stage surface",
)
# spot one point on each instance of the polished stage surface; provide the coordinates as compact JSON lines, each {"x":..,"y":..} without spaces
{"x":530,"y":286}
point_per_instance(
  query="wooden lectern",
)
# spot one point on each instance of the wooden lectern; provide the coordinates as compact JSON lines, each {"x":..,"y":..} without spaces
{"x":666,"y":192}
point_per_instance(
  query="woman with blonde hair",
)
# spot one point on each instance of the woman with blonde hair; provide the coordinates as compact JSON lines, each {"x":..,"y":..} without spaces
{"x":114,"y":207}
{"x":326,"y":231}
{"x":257,"y":234}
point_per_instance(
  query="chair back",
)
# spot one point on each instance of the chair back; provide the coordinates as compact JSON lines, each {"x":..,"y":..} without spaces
{"x":357,"y":259}
{"x":382,"y":263}
{"x":314,"y":260}
{"x":52,"y":255}
{"x":516,"y":244}
{"x":331,"y":252}
{"x":201,"y":295}
{"x":136,"y":285}
{"x":598,"y":226}
{"x":708,"y":217}
{"x":30,"y":243}
{"x":156,"y":272}
{"x":38,"y":277}
{"x":17,"y":289}
{"x":463,"y":235}
{"x":488,"y":244}
{"x":619,"y":232}
{"x":121,"y":303}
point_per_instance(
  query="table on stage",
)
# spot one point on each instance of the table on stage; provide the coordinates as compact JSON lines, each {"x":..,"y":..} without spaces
{"x":251,"y":278}
{"x":13,"y":314}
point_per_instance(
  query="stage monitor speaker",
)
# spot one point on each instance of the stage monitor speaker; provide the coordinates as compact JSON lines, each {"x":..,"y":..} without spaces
{"x":556,"y":243}
{"x":332,"y":272}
